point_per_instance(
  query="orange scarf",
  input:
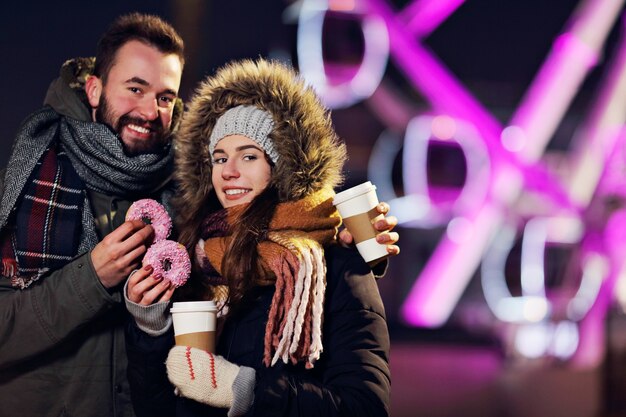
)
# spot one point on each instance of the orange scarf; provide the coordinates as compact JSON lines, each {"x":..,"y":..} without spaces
{"x":293,"y":252}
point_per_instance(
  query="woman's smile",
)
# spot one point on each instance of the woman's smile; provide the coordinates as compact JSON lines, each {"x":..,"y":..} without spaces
{"x":240,"y":170}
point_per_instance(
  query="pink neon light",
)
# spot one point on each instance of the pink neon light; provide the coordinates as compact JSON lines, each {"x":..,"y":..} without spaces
{"x":445,"y":276}
{"x":429,"y":303}
{"x":552,"y":91}
{"x":447,"y":273}
{"x":444,"y":92}
{"x":604,"y":133}
{"x":424,"y":16}
{"x":429,"y":75}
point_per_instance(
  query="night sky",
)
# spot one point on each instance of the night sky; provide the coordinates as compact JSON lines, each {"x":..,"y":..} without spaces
{"x":494,"y":46}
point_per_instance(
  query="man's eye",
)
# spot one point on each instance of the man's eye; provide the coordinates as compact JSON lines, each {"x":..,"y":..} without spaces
{"x":134,"y":89}
{"x":166,"y":100}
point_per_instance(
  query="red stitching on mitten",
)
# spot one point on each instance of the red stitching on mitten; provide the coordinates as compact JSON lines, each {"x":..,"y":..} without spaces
{"x":188,"y":355}
{"x":213,"y":377}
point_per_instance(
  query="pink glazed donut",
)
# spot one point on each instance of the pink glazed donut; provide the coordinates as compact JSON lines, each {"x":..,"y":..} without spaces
{"x":153,"y":213}
{"x":170,"y":260}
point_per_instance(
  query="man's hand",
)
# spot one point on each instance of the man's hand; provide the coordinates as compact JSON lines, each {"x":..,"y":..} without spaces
{"x":384,"y":226}
{"x":120,"y":252}
{"x":144,"y":288}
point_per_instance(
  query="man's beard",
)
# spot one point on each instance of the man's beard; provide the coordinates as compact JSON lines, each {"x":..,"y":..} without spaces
{"x":156,"y":144}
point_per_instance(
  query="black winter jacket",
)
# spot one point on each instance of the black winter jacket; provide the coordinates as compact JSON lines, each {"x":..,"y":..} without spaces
{"x":350,"y":379}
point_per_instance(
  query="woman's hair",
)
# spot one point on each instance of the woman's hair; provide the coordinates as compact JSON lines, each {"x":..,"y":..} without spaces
{"x":241,"y":263}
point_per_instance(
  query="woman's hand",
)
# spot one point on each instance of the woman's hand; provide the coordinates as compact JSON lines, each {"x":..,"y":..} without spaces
{"x":145,"y":289}
{"x":208,"y":379}
{"x":384,"y":226}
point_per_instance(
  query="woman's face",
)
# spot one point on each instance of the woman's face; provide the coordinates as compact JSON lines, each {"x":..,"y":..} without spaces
{"x":240,"y":170}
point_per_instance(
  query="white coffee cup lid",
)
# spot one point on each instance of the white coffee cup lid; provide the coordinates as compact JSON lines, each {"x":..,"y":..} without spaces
{"x":355,"y":191}
{"x":186,"y":306}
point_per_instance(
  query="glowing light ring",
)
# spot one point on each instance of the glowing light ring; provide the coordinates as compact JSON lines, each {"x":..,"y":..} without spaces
{"x":533,"y":306}
{"x":499,"y":299}
{"x":419,"y":133}
{"x":595,"y":270}
{"x":411,"y":210}
{"x":311,"y":59}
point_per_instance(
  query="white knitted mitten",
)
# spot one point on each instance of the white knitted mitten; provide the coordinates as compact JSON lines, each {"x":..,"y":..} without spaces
{"x":202,"y":376}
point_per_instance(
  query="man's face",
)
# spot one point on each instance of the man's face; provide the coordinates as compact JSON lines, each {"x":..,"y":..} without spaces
{"x":137,"y":100}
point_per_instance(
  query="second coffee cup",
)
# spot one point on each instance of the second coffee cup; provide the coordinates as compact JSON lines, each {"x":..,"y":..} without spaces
{"x":357,"y":207}
{"x":194,"y":324}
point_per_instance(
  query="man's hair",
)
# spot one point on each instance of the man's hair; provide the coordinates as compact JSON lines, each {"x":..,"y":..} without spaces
{"x":149,"y":29}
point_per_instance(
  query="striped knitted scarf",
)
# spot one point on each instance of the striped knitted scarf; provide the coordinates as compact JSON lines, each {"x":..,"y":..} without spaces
{"x":45,"y":218}
{"x":293,"y":252}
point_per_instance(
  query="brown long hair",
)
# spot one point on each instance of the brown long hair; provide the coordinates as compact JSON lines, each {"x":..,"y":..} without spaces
{"x":189,"y":232}
{"x":241,"y":265}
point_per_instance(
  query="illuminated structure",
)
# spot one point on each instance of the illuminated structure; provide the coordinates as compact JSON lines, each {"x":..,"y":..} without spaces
{"x":502,"y":165}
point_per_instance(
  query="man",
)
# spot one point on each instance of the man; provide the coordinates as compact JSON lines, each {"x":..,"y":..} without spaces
{"x":76,"y":166}
{"x":65,"y":246}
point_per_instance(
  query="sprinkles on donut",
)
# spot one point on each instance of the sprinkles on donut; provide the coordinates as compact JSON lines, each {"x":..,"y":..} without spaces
{"x":151,"y":212}
{"x":170,"y":260}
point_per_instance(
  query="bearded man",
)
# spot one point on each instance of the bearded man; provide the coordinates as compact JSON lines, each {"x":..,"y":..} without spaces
{"x":101,"y":141}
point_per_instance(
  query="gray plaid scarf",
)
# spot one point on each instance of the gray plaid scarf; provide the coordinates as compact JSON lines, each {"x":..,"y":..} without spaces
{"x":96,"y":155}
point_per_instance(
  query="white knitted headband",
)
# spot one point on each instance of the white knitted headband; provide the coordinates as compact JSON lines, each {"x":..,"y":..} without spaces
{"x":248,"y":121}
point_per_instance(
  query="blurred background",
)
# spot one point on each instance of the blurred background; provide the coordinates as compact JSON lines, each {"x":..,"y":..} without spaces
{"x":494,"y":128}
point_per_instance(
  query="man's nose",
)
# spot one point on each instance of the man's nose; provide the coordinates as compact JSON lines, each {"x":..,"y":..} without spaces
{"x":149,"y":109}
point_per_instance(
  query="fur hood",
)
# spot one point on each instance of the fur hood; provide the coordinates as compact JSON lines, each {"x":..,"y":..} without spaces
{"x":311,"y":156}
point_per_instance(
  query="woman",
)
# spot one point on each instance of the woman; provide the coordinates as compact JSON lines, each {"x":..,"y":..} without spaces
{"x":303,"y":330}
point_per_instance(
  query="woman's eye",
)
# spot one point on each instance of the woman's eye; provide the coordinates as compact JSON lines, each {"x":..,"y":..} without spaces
{"x":219,"y":160}
{"x":249,"y":157}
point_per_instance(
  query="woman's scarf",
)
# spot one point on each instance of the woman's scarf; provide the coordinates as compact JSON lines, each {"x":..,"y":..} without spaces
{"x":293,"y":253}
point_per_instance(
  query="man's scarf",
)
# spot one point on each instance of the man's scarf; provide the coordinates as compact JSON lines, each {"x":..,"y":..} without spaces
{"x":52,"y":157}
{"x":293,"y":253}
{"x":49,"y":233}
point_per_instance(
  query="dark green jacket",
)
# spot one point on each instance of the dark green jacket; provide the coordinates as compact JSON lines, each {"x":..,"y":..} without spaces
{"x":62,"y":349}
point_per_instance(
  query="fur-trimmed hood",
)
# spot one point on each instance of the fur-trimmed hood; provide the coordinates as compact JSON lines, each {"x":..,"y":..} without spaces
{"x":311,"y":154}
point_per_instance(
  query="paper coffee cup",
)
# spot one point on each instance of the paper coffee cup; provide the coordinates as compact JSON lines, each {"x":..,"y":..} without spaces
{"x":357,"y":207}
{"x":194,"y":324}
